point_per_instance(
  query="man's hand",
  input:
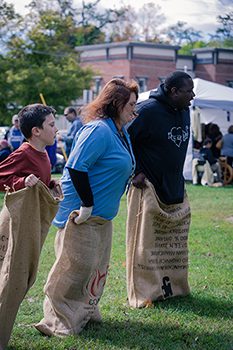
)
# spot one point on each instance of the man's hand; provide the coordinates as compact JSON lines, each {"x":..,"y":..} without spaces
{"x":139,"y":181}
{"x":84,"y":214}
{"x":31,"y":180}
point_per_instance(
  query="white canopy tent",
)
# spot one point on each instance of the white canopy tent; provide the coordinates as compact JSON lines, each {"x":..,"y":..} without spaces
{"x":215,"y":103}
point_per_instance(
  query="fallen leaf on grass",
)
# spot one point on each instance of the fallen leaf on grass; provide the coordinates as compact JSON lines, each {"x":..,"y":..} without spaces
{"x":148,"y":304}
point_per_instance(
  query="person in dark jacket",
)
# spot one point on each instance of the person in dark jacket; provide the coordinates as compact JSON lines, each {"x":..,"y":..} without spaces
{"x":158,"y":208}
{"x":160,"y":136}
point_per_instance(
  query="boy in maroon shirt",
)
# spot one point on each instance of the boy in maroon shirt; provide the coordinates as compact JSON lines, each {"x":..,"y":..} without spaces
{"x":30,"y":162}
{"x":23,"y":168}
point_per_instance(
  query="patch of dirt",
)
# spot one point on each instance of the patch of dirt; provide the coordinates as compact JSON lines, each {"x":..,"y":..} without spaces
{"x":230,"y":219}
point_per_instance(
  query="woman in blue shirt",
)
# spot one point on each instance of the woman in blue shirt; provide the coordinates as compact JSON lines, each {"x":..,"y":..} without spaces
{"x":95,"y":177}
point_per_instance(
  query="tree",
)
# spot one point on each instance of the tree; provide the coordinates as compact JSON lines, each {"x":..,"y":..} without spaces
{"x":226,"y":31}
{"x":142,"y":25}
{"x":89,"y":19}
{"x":179,"y":34}
{"x":149,"y":20}
{"x":41,"y":58}
{"x":125,"y":28}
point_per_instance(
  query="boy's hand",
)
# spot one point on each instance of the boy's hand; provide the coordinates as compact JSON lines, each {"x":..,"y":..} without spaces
{"x":84,"y":214}
{"x":57,"y":191}
{"x":31,"y":180}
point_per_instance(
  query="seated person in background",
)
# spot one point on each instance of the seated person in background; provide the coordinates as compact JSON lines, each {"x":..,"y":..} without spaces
{"x":213,"y":132}
{"x":227,"y":146}
{"x":5,"y":150}
{"x":207,"y":154}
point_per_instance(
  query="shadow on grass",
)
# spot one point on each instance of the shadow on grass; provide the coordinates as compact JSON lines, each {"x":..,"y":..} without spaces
{"x":155,"y":333}
{"x":200,"y":305}
{"x":136,"y":335}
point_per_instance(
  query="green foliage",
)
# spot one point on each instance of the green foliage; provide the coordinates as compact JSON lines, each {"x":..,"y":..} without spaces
{"x":201,"y":321}
{"x":186,"y":49}
{"x":88,"y":35}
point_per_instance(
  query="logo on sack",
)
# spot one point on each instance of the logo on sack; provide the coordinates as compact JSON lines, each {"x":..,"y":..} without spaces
{"x":177,"y":135}
{"x":95,"y":286}
{"x":166,"y":287}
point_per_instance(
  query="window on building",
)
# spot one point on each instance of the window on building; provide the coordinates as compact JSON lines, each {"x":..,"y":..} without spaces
{"x":142,"y":82}
{"x":230,"y":83}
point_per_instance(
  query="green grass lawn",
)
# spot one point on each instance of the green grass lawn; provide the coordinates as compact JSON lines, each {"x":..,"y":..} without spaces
{"x":200,"y":321}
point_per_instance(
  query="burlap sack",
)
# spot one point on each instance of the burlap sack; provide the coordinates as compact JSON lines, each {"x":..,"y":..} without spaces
{"x":27,"y":214}
{"x":76,"y":281}
{"x":156,"y":247}
{"x":4,"y":233}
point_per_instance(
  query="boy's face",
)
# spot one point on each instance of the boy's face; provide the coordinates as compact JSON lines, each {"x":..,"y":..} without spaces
{"x":48,"y":131}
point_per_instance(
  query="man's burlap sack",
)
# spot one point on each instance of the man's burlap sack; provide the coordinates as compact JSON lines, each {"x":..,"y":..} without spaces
{"x":27,"y":214}
{"x":156,"y":247}
{"x":77,"y":278}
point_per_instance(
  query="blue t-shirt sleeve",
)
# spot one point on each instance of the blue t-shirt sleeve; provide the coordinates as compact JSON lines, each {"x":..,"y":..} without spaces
{"x":90,"y":145}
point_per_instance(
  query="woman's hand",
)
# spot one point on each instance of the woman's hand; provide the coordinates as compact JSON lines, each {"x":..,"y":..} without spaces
{"x":84,"y":214}
{"x":31,"y":180}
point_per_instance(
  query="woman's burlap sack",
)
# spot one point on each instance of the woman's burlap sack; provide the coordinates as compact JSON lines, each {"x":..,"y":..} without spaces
{"x":156,"y":247}
{"x":27,"y":216}
{"x":76,"y":281}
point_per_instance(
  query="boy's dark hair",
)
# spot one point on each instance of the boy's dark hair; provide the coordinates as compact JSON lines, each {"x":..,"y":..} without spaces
{"x":207,"y":141}
{"x":175,"y":79}
{"x":33,"y":115}
{"x":230,"y":129}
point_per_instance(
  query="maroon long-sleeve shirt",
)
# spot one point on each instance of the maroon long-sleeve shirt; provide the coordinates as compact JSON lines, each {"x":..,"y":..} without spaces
{"x":21,"y":163}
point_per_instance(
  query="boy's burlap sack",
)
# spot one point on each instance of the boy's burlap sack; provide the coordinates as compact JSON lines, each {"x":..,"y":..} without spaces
{"x":28,"y":214}
{"x":4,"y":233}
{"x":77,"y":278}
{"x":156,"y":247}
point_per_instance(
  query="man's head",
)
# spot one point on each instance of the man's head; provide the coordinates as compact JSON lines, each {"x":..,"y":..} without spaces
{"x":179,"y":87}
{"x":70,"y":113}
{"x":32,"y":116}
{"x":15,"y":121}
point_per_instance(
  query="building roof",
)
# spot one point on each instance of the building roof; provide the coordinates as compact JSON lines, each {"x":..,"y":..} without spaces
{"x":126,"y":43}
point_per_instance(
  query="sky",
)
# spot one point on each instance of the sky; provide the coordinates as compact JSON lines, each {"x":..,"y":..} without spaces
{"x":199,"y":14}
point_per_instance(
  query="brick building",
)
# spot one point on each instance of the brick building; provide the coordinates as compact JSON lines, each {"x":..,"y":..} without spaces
{"x":149,"y":63}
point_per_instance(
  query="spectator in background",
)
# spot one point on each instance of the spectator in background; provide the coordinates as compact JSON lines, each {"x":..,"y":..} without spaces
{"x":15,"y":136}
{"x":72,"y":116}
{"x":5,"y":150}
{"x":227,"y":146}
{"x":207,"y":154}
{"x":213,"y":132}
{"x":52,"y":153}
